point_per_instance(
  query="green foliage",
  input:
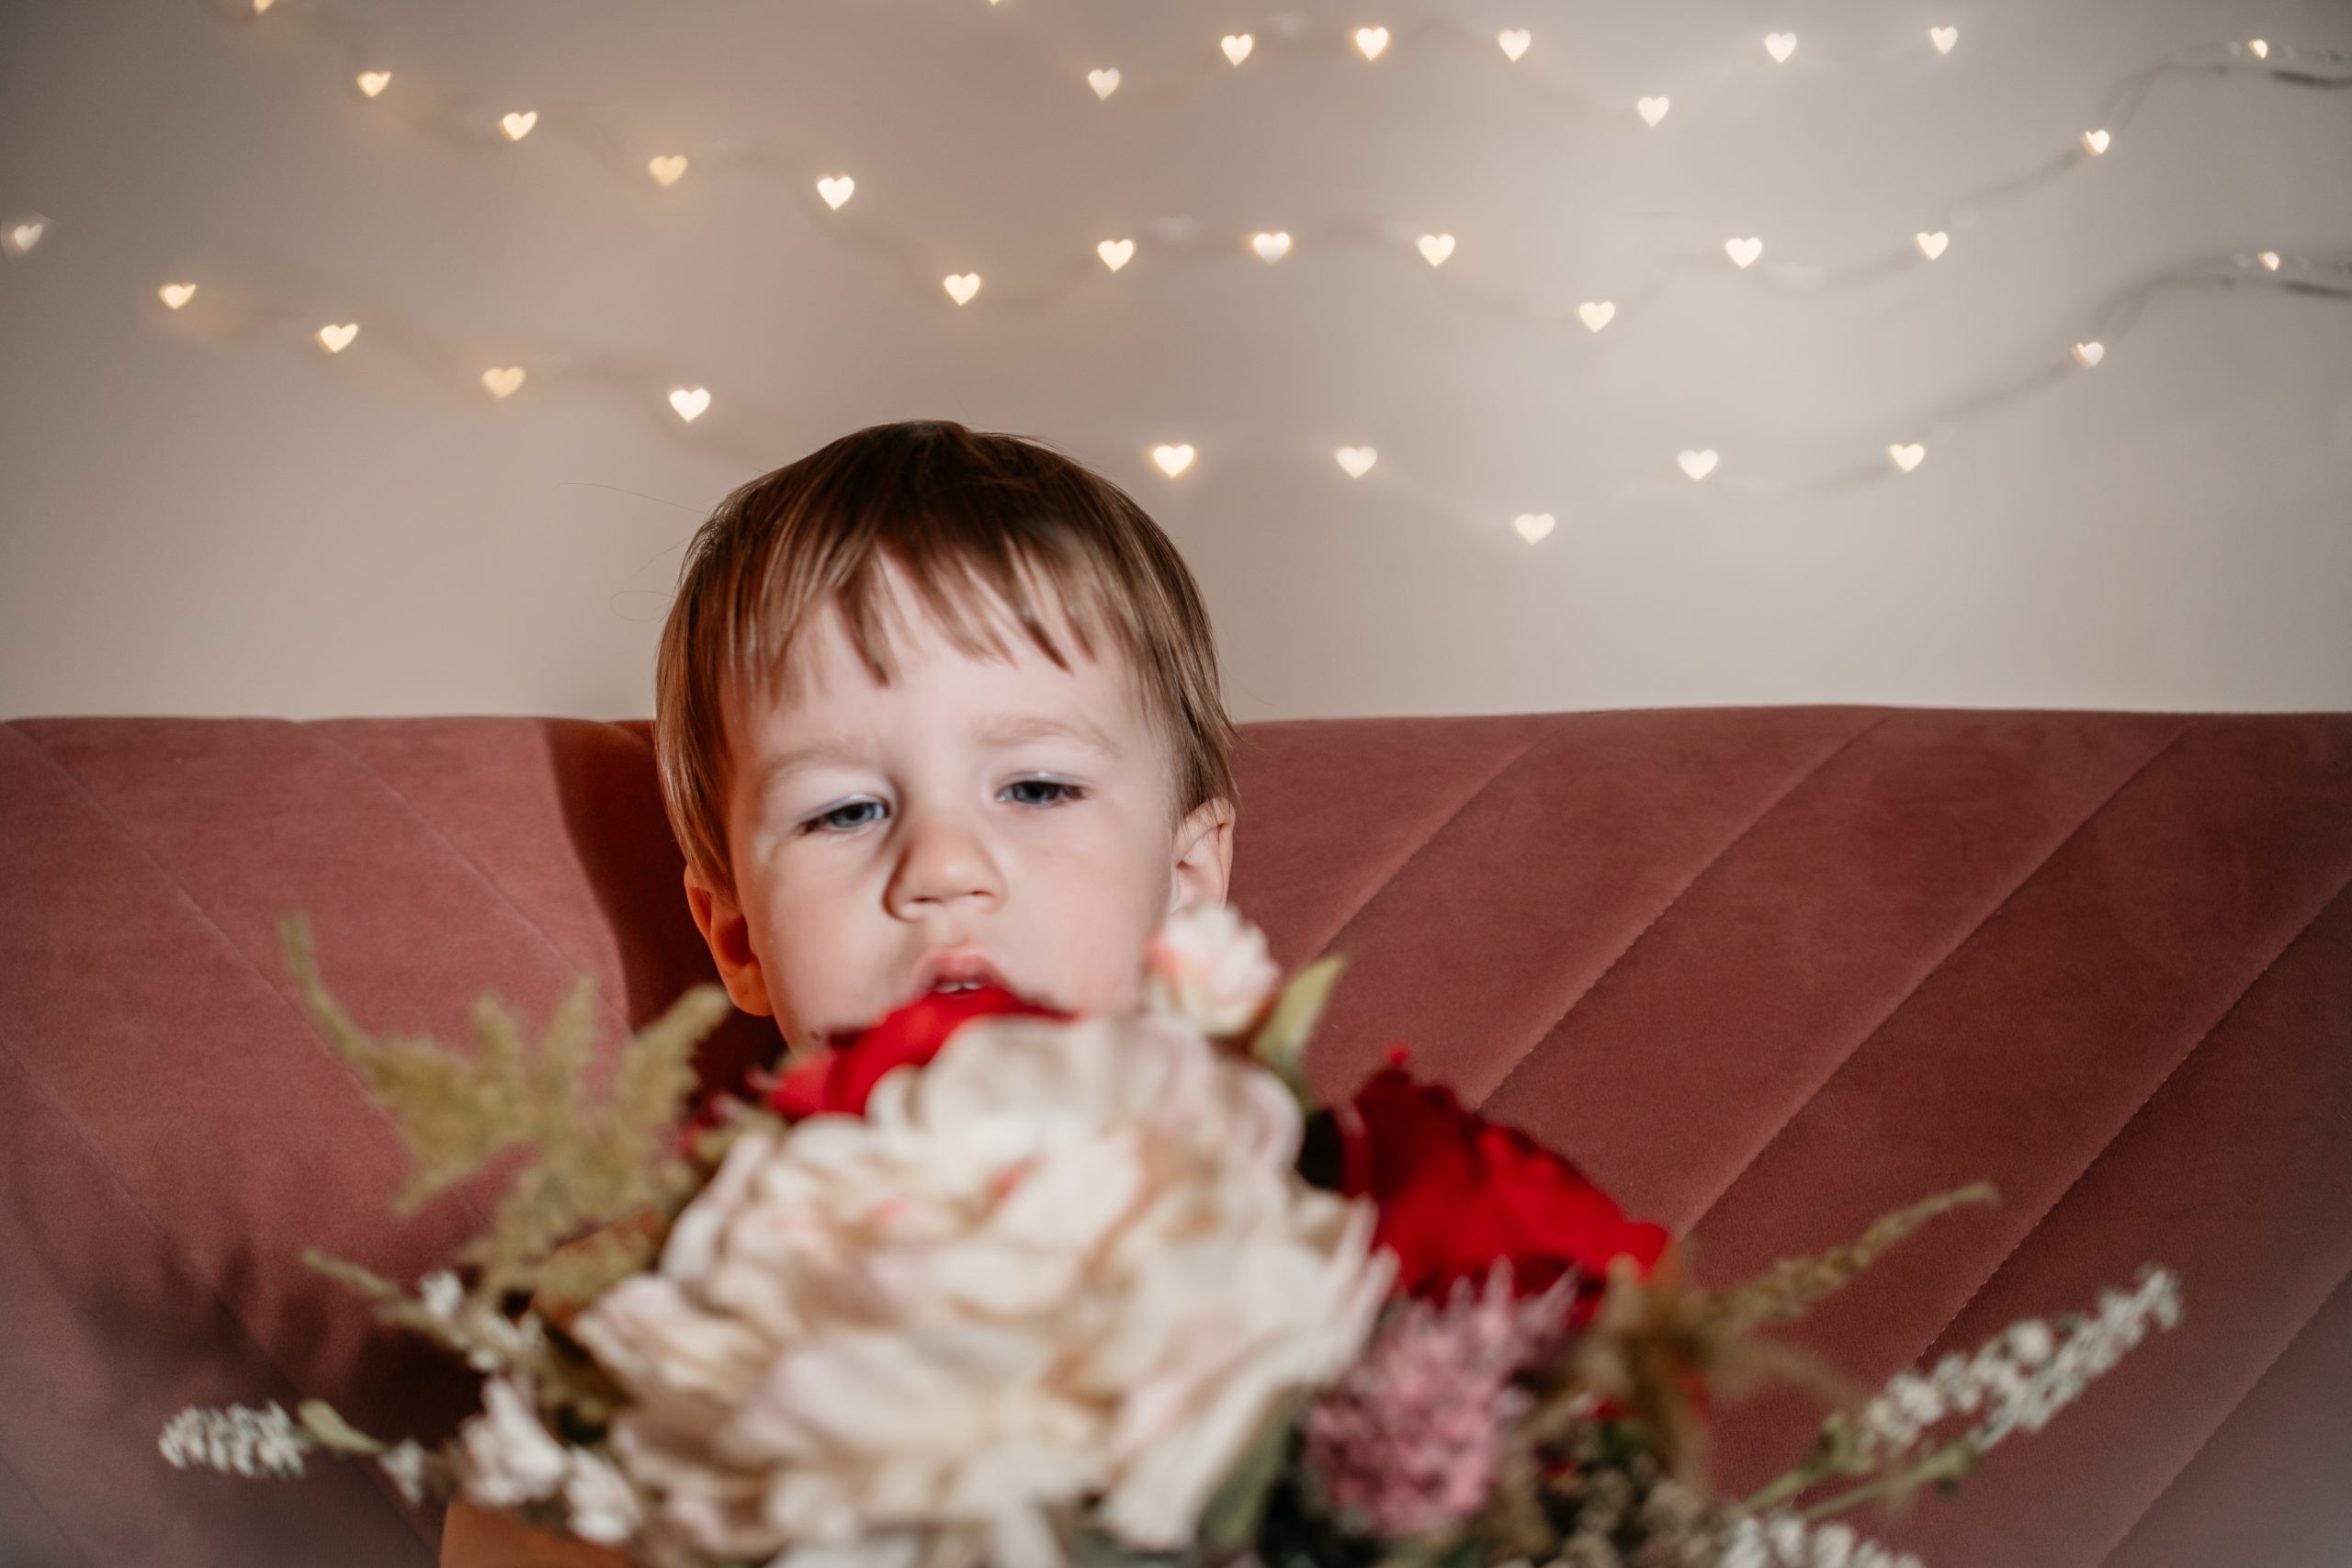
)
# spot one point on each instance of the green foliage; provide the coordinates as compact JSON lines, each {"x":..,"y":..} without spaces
{"x":591,"y":1163}
{"x":1281,"y":1041}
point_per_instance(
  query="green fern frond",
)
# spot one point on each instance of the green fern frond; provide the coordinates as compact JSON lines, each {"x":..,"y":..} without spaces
{"x":592,"y":1163}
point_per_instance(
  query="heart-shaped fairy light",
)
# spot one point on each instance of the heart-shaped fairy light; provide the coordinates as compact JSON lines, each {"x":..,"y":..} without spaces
{"x":1371,"y":40}
{"x":1104,"y":83}
{"x":1698,"y":465}
{"x":1271,"y":247}
{"x":2096,"y":141}
{"x":1532,"y":525}
{"x":1932,"y":246}
{"x":836,"y":189}
{"x":961,"y":285}
{"x":2269,"y":259}
{"x":1742,"y":251}
{"x":262,"y":6}
{"x":1514,"y":41}
{"x":1357,"y":460}
{"x":176,"y":295}
{"x":503,"y":382}
{"x":2091,"y":353}
{"x":1116,"y":254}
{"x":338,"y":337}
{"x":1173,"y":460}
{"x":1943,"y":39}
{"x":668,"y":169}
{"x":689,"y":401}
{"x":24,"y":234}
{"x":1597,"y":313}
{"x":2258,"y":48}
{"x":1236,"y":46}
{"x":1906,"y":455}
{"x":374,"y":82}
{"x":1779,"y":46}
{"x":1652,"y":110}
{"x":518,"y":126}
{"x":1435,"y":248}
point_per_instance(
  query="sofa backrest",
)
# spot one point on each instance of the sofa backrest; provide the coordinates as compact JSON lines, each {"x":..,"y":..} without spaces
{"x":1766,"y":973}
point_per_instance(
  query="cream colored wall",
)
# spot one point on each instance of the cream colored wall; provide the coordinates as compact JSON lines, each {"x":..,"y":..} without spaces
{"x":206,"y":513}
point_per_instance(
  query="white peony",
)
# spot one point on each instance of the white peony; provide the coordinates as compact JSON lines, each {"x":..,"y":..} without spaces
{"x":1211,"y":968}
{"x":1067,"y":1262}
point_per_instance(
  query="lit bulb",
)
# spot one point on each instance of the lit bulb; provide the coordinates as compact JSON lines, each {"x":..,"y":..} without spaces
{"x":1116,"y":253}
{"x":689,"y":401}
{"x":1532,"y":525}
{"x":1271,"y":248}
{"x":1908,"y":455}
{"x":1652,"y":110}
{"x":1743,"y":251}
{"x":262,"y":6}
{"x":836,"y":189}
{"x":518,"y":126}
{"x":176,"y":295}
{"x":2259,"y":48}
{"x":668,"y":169}
{"x":501,"y":383}
{"x":25,"y":234}
{"x":1698,"y":465}
{"x":1943,"y":39}
{"x":374,"y":82}
{"x":1435,"y":248}
{"x":961,"y":285}
{"x":1597,"y":313}
{"x":338,"y":337}
{"x":1514,"y":41}
{"x":1371,"y":40}
{"x":1236,"y":46}
{"x":2268,"y":259}
{"x":2090,"y":352}
{"x":1104,"y":83}
{"x":1356,"y":460}
{"x":1173,"y":460}
{"x":1779,"y":46}
{"x":2096,"y":141}
{"x":1932,"y":246}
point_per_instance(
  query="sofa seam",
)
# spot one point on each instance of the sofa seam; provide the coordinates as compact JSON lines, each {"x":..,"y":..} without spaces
{"x":1535,"y":1046}
{"x":555,"y":949}
{"x":1405,"y":861}
{"x":180,"y":1259}
{"x":72,"y":1543}
{"x":2328,"y":907}
{"x":2123,"y":1538}
{"x":1958,"y":944}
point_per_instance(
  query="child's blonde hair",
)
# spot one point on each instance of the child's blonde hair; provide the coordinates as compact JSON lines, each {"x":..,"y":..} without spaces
{"x":960,"y":511}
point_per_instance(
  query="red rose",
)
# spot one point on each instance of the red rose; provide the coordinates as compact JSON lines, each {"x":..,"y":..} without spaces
{"x":839,"y":1080}
{"x":1456,"y":1192}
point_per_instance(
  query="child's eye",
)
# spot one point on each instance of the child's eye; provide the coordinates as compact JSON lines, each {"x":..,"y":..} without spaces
{"x":833,"y":821}
{"x":1069,"y":792}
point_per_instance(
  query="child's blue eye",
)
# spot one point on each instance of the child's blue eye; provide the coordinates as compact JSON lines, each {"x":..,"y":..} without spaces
{"x":832,"y":821}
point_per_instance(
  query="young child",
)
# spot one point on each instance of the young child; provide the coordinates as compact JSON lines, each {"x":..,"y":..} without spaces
{"x":930,"y":705}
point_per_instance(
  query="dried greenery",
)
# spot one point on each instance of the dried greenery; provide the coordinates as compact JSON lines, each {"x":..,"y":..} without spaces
{"x":590,"y":1203}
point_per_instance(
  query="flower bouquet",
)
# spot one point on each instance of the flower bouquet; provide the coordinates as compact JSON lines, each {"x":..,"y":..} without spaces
{"x":993,"y":1284}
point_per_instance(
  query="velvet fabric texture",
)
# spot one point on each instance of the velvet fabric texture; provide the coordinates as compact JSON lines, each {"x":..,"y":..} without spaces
{"x":1763,"y":973}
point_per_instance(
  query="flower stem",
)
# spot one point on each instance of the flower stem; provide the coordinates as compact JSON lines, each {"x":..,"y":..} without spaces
{"x":1951,"y":1462}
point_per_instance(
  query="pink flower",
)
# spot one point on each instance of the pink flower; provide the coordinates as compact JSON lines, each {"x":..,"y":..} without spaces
{"x":1409,"y":1438}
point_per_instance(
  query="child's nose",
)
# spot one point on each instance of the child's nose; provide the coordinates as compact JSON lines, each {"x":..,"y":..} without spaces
{"x":942,"y":861}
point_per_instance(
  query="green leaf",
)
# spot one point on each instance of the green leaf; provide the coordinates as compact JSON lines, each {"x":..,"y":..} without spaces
{"x":1281,"y":1043}
{"x":1231,"y":1518}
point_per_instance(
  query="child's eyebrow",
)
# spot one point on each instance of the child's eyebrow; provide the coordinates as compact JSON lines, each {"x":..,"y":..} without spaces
{"x":1005,"y":730}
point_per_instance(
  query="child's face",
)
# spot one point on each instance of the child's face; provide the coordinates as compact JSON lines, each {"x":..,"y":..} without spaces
{"x":930,"y":826}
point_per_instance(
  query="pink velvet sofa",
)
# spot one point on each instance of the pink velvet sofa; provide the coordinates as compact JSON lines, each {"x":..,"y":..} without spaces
{"x":1765,"y":972}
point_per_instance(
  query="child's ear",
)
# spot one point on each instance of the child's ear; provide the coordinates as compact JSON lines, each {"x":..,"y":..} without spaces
{"x":728,"y":935}
{"x":1204,"y":856}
